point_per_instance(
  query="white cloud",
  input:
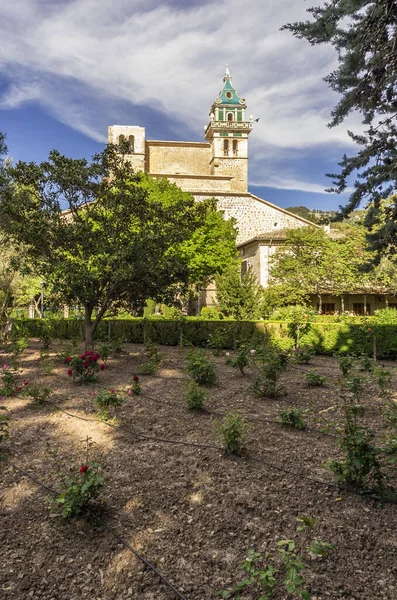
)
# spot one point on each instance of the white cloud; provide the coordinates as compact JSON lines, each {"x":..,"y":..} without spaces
{"x":172,"y":60}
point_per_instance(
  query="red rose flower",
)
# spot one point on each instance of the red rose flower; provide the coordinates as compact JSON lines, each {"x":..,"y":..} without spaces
{"x":70,"y":372}
{"x":86,"y":364}
{"x":68,"y":359}
{"x":26,"y":383}
{"x":102,"y":367}
{"x":84,"y":468}
{"x":82,"y":356}
{"x":136,"y":378}
{"x":111,"y":391}
{"x":19,"y":389}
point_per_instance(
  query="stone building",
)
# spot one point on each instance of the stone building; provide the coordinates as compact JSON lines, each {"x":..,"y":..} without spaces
{"x":218,"y":168}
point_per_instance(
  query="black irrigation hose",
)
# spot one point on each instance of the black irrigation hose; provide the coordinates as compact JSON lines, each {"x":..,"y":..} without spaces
{"x":251,"y":418}
{"x":109,"y":528}
{"x":216,"y":447}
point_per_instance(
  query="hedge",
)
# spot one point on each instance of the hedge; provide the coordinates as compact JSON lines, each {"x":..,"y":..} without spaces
{"x":325,"y":337}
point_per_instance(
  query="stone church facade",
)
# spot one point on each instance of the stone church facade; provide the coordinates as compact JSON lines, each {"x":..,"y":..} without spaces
{"x":216,"y":167}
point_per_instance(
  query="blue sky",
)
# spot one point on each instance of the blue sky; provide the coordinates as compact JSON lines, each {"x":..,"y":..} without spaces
{"x":71,"y":68}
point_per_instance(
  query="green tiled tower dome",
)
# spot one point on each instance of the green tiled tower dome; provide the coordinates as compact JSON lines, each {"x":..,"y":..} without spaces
{"x":228,"y":95}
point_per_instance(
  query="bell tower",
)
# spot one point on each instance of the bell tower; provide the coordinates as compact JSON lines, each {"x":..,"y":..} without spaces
{"x":227,"y":133}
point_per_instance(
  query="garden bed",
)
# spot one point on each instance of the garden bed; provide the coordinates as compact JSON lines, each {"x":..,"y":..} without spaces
{"x":191,"y":511}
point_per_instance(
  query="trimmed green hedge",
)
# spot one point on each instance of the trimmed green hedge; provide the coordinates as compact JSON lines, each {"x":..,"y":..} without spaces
{"x":326,"y":337}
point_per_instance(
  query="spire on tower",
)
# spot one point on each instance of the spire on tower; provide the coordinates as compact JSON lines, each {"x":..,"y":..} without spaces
{"x":227,"y":73}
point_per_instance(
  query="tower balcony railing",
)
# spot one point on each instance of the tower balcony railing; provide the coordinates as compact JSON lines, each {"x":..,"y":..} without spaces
{"x":231,"y":124}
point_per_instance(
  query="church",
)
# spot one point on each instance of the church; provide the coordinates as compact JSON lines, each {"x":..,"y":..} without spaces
{"x":218,"y":168}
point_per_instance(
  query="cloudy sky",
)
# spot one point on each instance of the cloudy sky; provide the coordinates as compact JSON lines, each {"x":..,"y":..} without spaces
{"x":70,"y":68}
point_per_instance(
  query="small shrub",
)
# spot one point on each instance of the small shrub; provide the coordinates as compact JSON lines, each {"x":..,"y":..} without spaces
{"x":383,"y":379}
{"x":136,"y":388}
{"x":284,"y":567}
{"x":240,"y":361}
{"x":266,"y":388}
{"x":270,"y":364}
{"x":200,"y":368}
{"x":354,"y":385}
{"x":233,"y":432}
{"x":47,"y":365}
{"x":4,"y":419}
{"x":45,"y":337}
{"x":303,"y":355}
{"x":78,"y":486}
{"x":149,"y":368}
{"x":314,"y":379}
{"x":346,"y":364}
{"x":104,"y":352}
{"x":155,"y":360}
{"x":37,"y":393}
{"x":83,"y":368}
{"x":367,"y":364}
{"x":362,"y":465}
{"x":292,"y":417}
{"x":9,"y":377}
{"x":195,"y":396}
{"x":106,"y":400}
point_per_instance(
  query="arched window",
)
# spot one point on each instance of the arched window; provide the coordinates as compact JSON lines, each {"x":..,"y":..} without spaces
{"x":121,"y":139}
{"x":230,"y":116}
{"x":226,"y":147}
{"x":131,"y":141}
{"x":235,"y":151}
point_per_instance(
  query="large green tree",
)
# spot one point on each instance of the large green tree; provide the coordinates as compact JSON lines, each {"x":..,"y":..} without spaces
{"x":364,"y":35}
{"x":312,"y":262}
{"x":100,"y":234}
{"x":239,"y":296}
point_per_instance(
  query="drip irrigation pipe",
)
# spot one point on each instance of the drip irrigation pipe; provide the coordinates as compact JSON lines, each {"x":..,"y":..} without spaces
{"x":248,"y":417}
{"x":109,"y":528}
{"x":216,"y":447}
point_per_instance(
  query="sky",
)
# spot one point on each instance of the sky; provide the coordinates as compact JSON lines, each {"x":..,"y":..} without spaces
{"x":71,"y":68}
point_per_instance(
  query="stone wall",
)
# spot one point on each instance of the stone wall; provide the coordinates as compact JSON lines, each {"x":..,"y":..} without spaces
{"x":182,"y":158}
{"x":196,"y":183}
{"x":255,"y":216}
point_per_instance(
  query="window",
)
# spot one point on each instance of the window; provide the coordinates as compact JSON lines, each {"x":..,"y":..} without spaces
{"x":230,"y":116}
{"x":235,"y":150}
{"x":328,"y":308}
{"x":244,"y":268}
{"x":358,"y":308}
{"x":228,"y":94}
{"x":121,"y":139}
{"x":226,"y":147}
{"x":131,"y":141}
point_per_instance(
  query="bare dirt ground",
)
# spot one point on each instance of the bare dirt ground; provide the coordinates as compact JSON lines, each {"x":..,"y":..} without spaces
{"x":191,"y":511}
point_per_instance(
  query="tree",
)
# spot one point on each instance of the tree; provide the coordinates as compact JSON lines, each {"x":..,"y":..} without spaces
{"x":311,"y":262}
{"x":239,"y":296}
{"x":364,"y":34}
{"x":117,"y":242}
{"x":211,"y":248}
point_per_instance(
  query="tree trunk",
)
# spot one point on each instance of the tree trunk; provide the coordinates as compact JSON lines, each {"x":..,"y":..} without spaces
{"x":342,"y":304}
{"x":89,"y":329}
{"x":320,"y":304}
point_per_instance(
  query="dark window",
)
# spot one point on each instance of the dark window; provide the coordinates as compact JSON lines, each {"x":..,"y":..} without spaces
{"x":131,"y":141}
{"x":328,"y":308}
{"x":244,"y":268}
{"x":230,"y":116}
{"x":235,"y":151}
{"x":226,"y":147}
{"x":121,"y":139}
{"x":358,"y":308}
